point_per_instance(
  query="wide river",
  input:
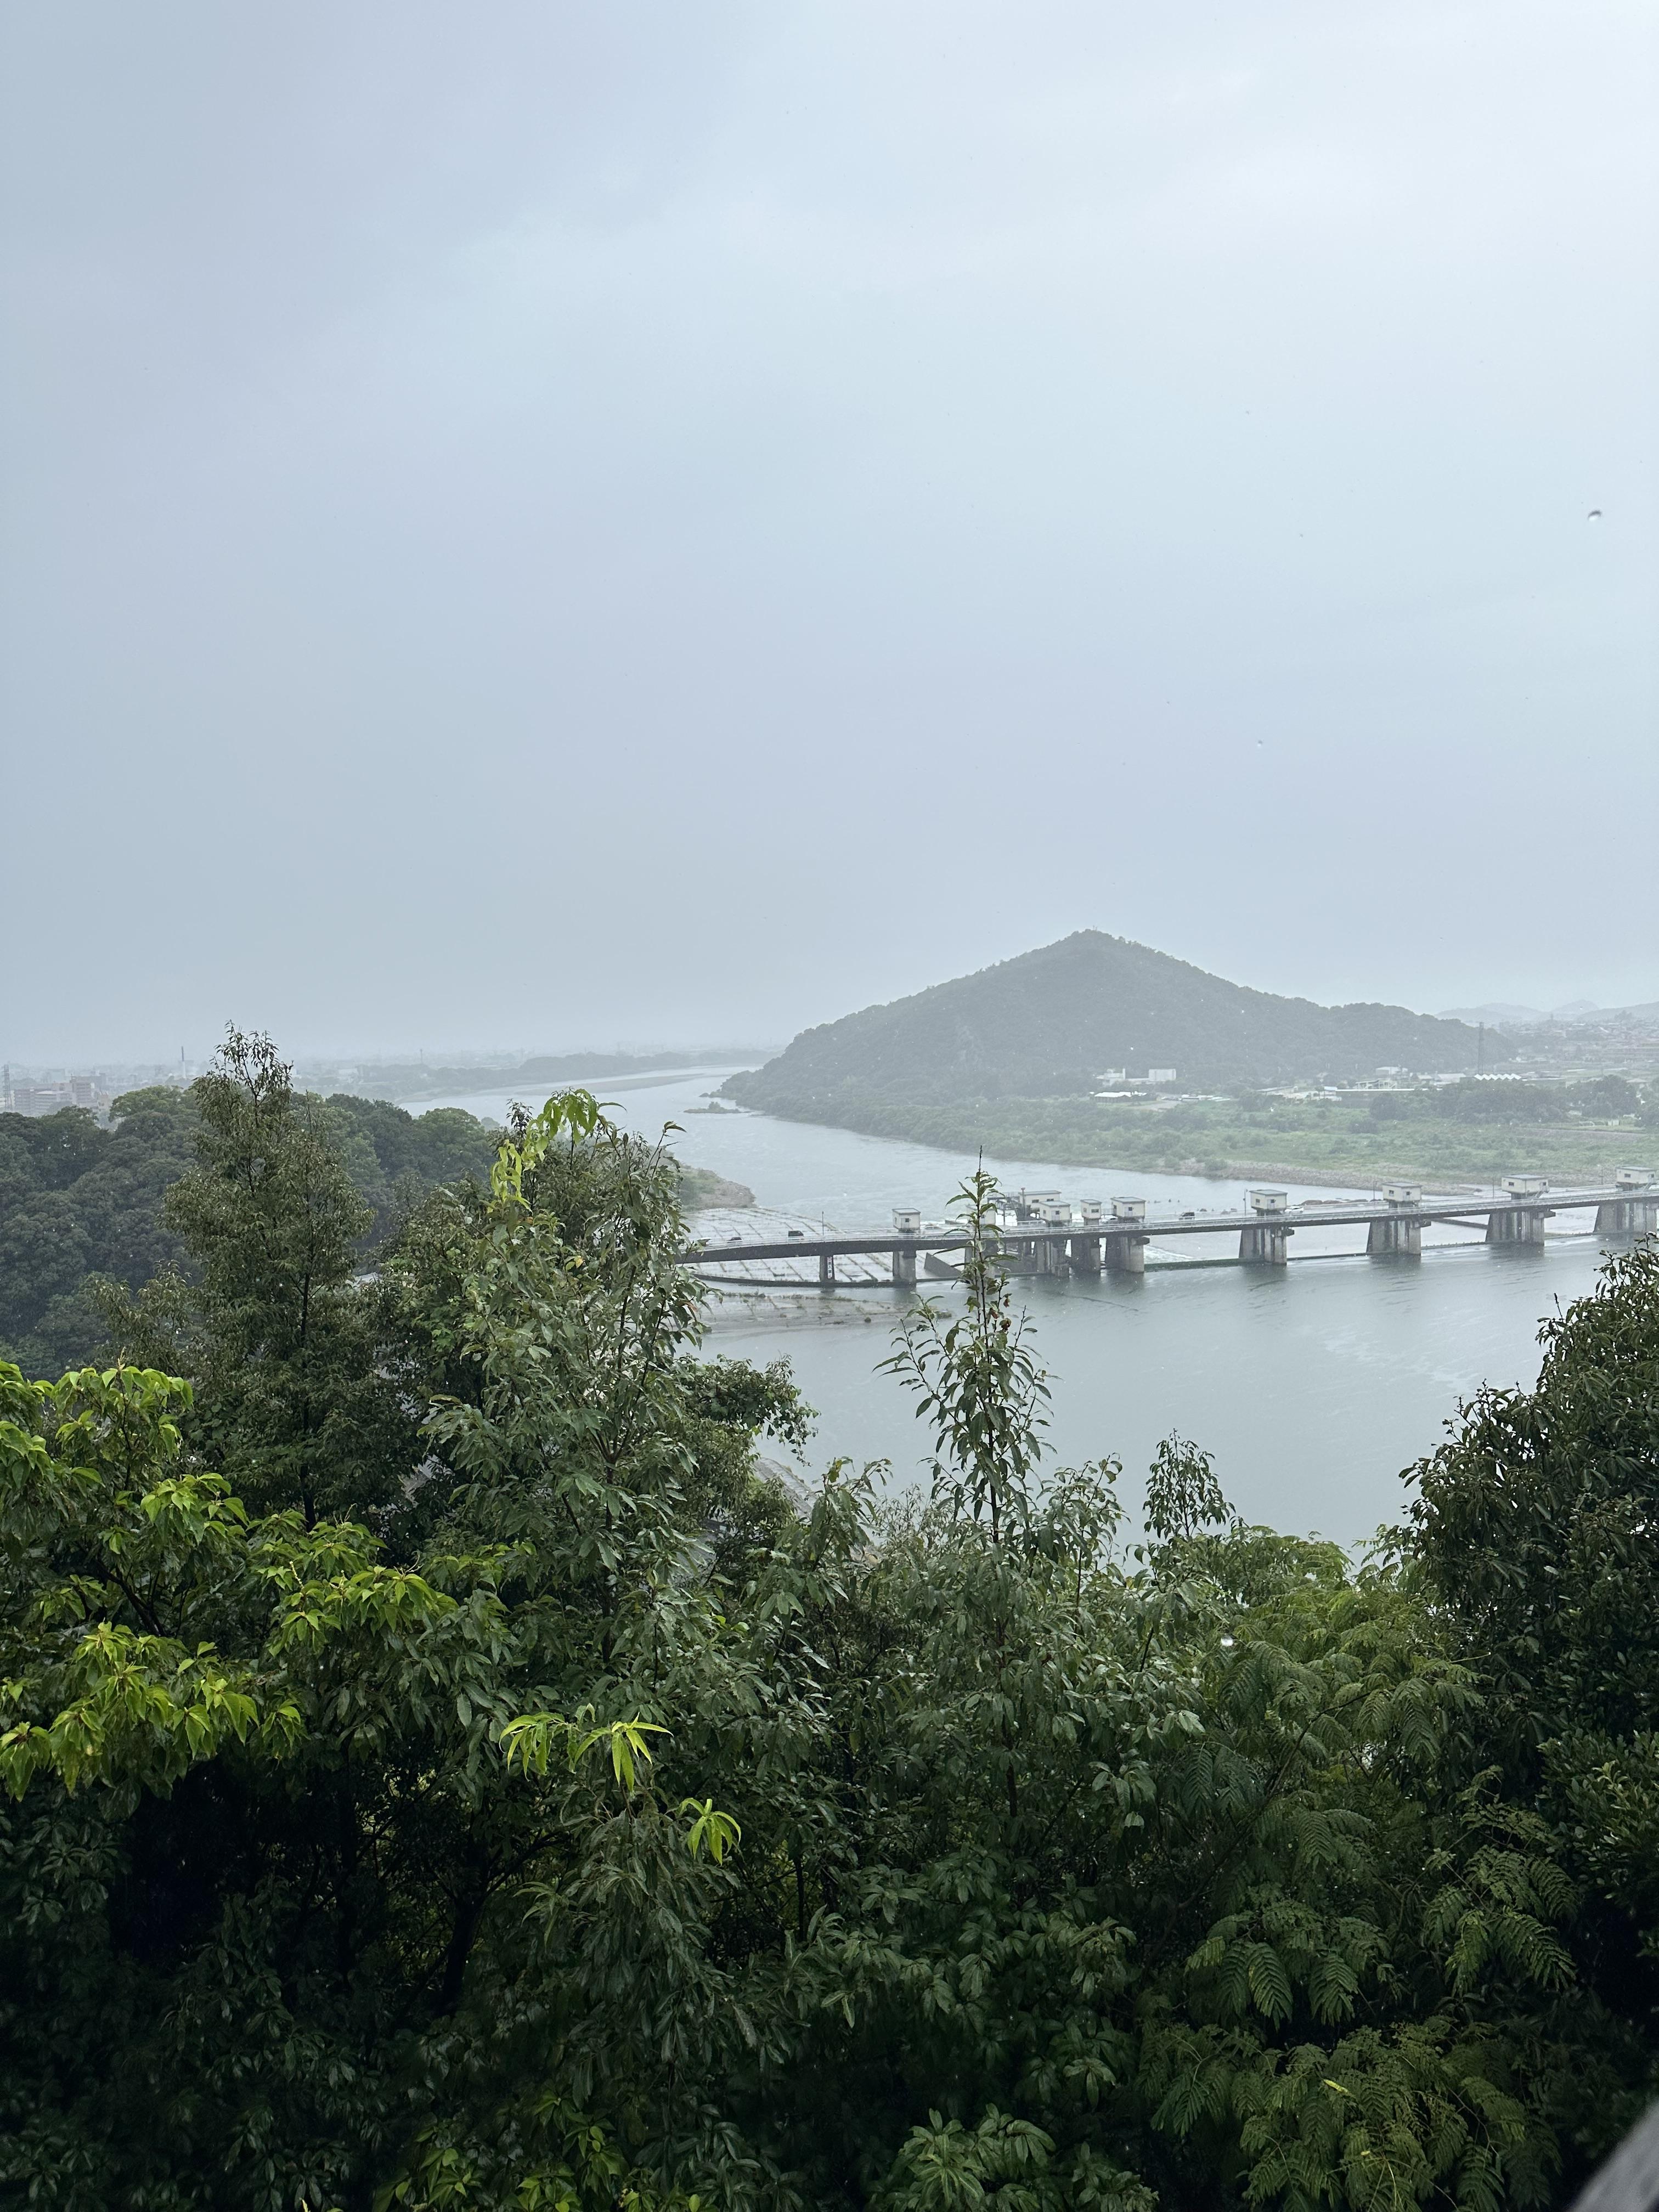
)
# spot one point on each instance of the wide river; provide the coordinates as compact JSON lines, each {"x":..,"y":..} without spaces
{"x":1315,"y":1385}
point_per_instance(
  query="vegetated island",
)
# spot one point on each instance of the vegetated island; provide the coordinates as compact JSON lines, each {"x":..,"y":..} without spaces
{"x":702,"y":1187}
{"x":1210,"y":1078}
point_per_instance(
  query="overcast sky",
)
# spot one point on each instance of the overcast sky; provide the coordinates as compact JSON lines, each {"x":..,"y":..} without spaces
{"x":548,"y":525}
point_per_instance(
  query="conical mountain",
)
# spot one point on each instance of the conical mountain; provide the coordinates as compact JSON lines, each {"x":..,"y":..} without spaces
{"x":1052,"y":1022}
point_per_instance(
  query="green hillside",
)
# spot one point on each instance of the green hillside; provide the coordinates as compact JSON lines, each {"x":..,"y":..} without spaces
{"x":1050,"y":1023}
{"x":80,"y":1203}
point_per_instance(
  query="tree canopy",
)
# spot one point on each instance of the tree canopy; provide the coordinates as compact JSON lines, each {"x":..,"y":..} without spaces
{"x":83,"y":1207}
{"x":515,"y":1800}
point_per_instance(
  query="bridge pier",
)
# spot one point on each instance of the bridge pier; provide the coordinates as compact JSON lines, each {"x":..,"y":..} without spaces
{"x":1125,"y":1255}
{"x":1085,"y":1249}
{"x":1267,"y":1245}
{"x":826,"y":1270}
{"x":1508,"y":1226}
{"x":1392,"y":1236}
{"x":907,"y":1222}
{"x":1050,"y":1251}
{"x":1267,"y":1242}
{"x":1627,"y":1217}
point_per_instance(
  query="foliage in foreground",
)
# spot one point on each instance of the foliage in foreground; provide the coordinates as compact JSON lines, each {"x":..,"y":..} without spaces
{"x":600,"y":1829}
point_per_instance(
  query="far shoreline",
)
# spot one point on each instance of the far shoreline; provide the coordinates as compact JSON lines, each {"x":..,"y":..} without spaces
{"x":1052,"y":1148}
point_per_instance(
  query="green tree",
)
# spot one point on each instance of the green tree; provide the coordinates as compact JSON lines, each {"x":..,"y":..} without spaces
{"x":1535,"y":1526}
{"x":79,"y":1204}
{"x":976,"y":1379}
{"x":300,"y":1392}
{"x":382,"y":1877}
{"x":1182,"y":1495}
{"x":83,"y":1208}
{"x":1613,"y":1095}
{"x":43,"y":1250}
{"x":628,"y":1836}
{"x":253,"y":1771}
{"x":394,"y":1157}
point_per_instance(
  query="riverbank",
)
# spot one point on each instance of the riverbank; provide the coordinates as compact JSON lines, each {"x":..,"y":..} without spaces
{"x":702,"y":1187}
{"x":1313,"y":1385}
{"x":1329,"y":1143}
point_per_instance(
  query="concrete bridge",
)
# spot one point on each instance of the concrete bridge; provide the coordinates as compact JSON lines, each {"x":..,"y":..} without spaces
{"x":1049,"y":1236}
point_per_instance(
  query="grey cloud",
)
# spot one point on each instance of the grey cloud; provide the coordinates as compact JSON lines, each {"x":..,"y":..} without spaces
{"x":566,"y":522}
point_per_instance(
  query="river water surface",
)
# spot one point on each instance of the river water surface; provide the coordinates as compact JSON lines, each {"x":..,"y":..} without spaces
{"x":1313,"y":1385}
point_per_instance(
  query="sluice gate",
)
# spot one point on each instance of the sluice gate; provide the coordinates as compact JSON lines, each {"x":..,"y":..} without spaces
{"x":1056,"y":1239}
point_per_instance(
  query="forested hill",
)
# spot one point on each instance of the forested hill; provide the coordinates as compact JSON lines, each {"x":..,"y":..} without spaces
{"x":81,"y":1204}
{"x":1050,"y":1023}
{"x":78,"y":1201}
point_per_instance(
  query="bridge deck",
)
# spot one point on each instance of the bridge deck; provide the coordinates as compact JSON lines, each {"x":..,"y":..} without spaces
{"x":1157,"y":1227}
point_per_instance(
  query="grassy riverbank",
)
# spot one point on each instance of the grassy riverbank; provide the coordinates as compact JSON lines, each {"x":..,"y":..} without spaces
{"x":1312,"y":1141}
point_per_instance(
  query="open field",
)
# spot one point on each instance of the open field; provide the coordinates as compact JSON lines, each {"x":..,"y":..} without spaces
{"x":1339,"y":1142}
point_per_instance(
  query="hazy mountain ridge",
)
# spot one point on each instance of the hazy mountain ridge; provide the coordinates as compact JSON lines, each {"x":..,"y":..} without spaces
{"x":1582,"y":1012}
{"x":1051,"y":1022}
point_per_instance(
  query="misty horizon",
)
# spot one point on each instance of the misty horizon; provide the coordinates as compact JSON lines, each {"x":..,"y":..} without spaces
{"x":680,"y":528}
{"x":716,"y":1052}
{"x":724,"y":1052}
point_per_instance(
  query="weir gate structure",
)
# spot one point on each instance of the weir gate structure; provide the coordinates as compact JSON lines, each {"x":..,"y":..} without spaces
{"x":1049,"y":1236}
